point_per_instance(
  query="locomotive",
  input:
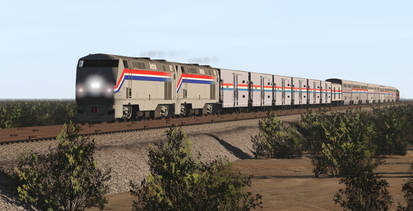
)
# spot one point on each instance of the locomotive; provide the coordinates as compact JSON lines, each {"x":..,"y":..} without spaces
{"x":110,"y":87}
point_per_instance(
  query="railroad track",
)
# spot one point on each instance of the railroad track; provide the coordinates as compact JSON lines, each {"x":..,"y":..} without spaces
{"x":27,"y":134}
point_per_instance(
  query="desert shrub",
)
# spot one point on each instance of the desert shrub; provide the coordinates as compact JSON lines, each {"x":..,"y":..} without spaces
{"x":338,"y":142}
{"x":364,"y":191}
{"x":407,"y":114}
{"x":391,"y":126}
{"x":408,"y":196}
{"x":311,"y":127}
{"x":178,"y":182}
{"x":64,"y":179}
{"x":276,"y":139}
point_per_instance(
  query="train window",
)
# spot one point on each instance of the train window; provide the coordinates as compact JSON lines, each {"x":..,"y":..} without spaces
{"x":201,"y":71}
{"x":128,"y":92}
{"x":80,"y":63}
{"x":139,"y":65}
{"x":191,"y":70}
{"x":152,"y":66}
{"x":100,"y":63}
{"x":125,"y":64}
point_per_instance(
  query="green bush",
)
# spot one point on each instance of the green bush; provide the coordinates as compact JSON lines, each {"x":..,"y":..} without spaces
{"x":64,"y":179}
{"x":338,"y":142}
{"x":391,"y":126}
{"x":276,"y":139}
{"x":178,"y":182}
{"x":311,"y":128}
{"x":365,"y":191}
{"x":408,"y":196}
{"x":36,"y":112}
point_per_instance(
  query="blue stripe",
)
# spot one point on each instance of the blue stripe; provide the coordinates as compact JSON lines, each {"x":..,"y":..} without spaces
{"x":193,"y":81}
{"x":231,"y":89}
{"x":196,"y":81}
{"x":140,"y":78}
{"x":145,"y":78}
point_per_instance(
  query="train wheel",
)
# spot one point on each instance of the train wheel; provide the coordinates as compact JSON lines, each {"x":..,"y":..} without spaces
{"x":127,"y":113}
{"x":208,"y":109}
{"x":184,"y":110}
{"x":164,"y":111}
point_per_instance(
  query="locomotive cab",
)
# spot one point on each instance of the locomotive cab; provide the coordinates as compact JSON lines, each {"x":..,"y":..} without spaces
{"x":95,"y":78}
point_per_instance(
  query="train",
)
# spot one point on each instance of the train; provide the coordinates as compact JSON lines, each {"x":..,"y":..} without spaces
{"x":112,"y":87}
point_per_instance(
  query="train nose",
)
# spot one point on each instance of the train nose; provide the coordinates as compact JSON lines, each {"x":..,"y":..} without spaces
{"x":94,"y":86}
{"x":95,"y":113}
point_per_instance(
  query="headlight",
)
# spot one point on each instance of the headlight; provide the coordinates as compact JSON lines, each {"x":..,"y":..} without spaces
{"x":95,"y":85}
{"x":80,"y":90}
{"x":108,"y":92}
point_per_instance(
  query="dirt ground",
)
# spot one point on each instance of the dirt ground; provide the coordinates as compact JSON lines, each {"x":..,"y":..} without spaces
{"x":289,"y":184}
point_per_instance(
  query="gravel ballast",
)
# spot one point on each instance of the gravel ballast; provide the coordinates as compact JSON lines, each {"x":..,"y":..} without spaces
{"x":126,"y":153}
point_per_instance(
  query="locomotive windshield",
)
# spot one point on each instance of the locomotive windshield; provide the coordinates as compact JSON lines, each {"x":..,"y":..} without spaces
{"x":98,"y":63}
{"x":95,"y":80}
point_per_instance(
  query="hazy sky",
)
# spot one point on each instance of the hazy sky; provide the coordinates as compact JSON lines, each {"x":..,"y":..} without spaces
{"x":369,"y":41}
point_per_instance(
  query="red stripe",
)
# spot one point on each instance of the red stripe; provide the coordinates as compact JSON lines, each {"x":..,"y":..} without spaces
{"x":120,"y":80}
{"x":146,"y":72}
{"x":198,"y":76}
{"x":179,"y":81}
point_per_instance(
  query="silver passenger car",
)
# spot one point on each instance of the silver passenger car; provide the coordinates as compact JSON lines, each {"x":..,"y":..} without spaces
{"x":261,"y":86}
{"x":234,"y":88}
{"x":282,"y":89}
{"x":299,"y":91}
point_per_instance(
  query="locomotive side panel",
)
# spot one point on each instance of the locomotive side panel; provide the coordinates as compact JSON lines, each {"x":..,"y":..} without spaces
{"x":196,"y":88}
{"x":142,"y":83}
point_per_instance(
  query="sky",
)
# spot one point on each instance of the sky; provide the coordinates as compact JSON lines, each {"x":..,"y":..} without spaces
{"x":368,"y":41}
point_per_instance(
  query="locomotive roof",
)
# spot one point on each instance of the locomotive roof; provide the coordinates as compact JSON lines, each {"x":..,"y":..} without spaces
{"x":111,"y":56}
